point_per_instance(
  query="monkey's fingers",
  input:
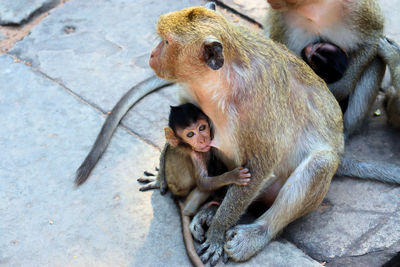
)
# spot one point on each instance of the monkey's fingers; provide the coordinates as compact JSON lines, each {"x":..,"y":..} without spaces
{"x":225,"y":257}
{"x":392,"y":42}
{"x":146,"y":173}
{"x":150,"y":186}
{"x":197,"y":232}
{"x":145,"y":180}
{"x":244,"y":181}
{"x":211,"y":251}
{"x":202,"y":248}
{"x":244,"y":174}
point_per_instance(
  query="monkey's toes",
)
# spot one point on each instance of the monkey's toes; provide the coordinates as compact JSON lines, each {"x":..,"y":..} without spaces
{"x":210,"y":250}
{"x":388,"y":48}
{"x":146,"y":173}
{"x":243,"y":241}
{"x":197,"y":231}
{"x":145,"y":180}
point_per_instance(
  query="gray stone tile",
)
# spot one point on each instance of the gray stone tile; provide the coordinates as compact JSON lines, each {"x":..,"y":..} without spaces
{"x":97,"y":48}
{"x":149,"y":117}
{"x":18,"y":11}
{"x":255,"y":9}
{"x":46,"y":133}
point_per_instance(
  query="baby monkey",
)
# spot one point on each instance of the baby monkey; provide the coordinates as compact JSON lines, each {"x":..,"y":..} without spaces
{"x":189,"y":128}
{"x":327,"y":60}
{"x":189,"y":134}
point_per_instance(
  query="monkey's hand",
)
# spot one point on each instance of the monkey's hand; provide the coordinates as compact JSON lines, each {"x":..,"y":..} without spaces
{"x":213,"y":248}
{"x":388,"y":49}
{"x":150,"y":184}
{"x":240,"y":176}
{"x":202,"y":218}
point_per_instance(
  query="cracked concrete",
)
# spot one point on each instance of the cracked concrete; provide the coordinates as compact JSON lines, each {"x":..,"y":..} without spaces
{"x":57,"y":85}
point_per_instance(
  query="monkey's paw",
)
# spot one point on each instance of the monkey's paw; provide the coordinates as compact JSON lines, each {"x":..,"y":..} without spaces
{"x":388,"y":49}
{"x":243,"y":241}
{"x":211,"y":250}
{"x":203,"y":217}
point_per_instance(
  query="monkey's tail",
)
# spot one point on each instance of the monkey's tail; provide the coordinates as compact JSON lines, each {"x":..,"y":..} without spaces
{"x":383,"y":172}
{"x":187,"y":237}
{"x":130,"y":98}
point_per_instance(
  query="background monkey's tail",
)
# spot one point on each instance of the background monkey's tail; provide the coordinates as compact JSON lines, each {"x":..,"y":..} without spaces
{"x":135,"y":94}
{"x":383,"y":172}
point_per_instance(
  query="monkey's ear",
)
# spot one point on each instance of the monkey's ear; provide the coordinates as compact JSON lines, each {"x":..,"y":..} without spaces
{"x":211,"y":5}
{"x":212,"y":54}
{"x":171,"y":137}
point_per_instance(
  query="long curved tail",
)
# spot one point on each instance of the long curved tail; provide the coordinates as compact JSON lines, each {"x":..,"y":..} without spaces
{"x":135,"y":94}
{"x":383,"y":172}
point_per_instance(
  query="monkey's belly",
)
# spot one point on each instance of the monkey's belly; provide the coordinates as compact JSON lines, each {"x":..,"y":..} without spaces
{"x":269,"y":194}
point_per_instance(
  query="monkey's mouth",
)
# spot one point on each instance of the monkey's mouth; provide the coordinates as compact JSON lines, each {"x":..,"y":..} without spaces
{"x":205,"y":148}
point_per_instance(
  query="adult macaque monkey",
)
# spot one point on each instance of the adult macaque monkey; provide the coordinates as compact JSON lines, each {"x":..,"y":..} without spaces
{"x":379,"y":172}
{"x":353,"y":25}
{"x":269,"y":110}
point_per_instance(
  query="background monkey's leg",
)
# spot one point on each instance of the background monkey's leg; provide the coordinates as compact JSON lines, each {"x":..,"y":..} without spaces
{"x":302,"y":192}
{"x":363,"y":96}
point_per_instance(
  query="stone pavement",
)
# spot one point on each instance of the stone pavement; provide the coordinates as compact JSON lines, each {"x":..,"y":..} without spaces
{"x":56,"y":87}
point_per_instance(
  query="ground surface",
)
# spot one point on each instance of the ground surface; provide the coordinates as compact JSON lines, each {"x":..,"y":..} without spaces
{"x":62,"y":70}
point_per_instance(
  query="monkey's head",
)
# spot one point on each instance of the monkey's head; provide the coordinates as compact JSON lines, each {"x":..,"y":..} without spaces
{"x":327,"y":60}
{"x":188,"y":125}
{"x":191,"y":44}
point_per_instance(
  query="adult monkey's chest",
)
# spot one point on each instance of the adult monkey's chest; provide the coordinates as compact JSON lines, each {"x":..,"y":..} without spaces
{"x":326,"y":20}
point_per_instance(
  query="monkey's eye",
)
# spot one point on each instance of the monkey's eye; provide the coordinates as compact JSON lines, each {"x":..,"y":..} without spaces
{"x":166,"y":42}
{"x":202,"y":127}
{"x":190,"y":134}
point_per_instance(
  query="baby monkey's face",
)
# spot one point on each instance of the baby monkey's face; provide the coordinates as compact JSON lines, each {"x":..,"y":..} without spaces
{"x":197,"y":135}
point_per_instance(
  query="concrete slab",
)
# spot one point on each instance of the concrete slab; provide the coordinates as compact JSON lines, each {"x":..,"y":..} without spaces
{"x":45,"y":134}
{"x":19,"y":11}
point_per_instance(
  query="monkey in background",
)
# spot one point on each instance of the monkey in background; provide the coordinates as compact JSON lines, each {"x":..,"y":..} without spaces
{"x":353,"y":25}
{"x":390,"y":52}
{"x":189,"y":134}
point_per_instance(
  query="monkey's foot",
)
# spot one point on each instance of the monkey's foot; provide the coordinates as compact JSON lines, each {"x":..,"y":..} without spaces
{"x":243,"y":241}
{"x":203,"y":217}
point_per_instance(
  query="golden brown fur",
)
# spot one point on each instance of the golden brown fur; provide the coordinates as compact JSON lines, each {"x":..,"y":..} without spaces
{"x":269,"y":111}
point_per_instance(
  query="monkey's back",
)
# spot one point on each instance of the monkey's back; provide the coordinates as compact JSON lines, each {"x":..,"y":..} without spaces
{"x":179,"y":172}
